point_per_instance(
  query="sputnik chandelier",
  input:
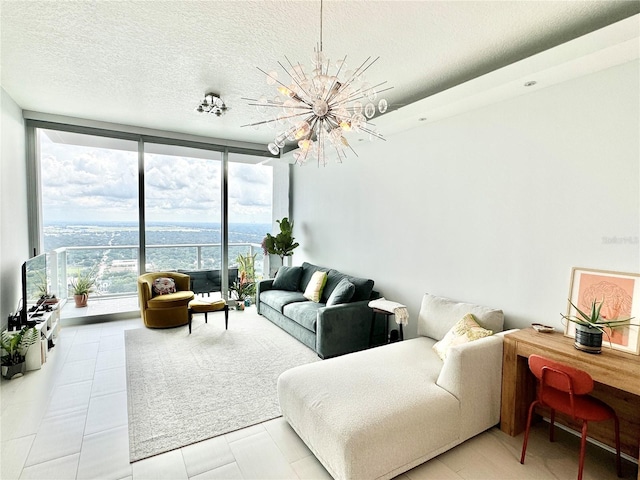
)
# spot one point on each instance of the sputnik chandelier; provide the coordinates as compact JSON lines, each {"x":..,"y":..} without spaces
{"x":316,"y":108}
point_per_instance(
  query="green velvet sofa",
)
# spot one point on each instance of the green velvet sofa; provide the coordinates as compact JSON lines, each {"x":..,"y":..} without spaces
{"x":328,"y":330}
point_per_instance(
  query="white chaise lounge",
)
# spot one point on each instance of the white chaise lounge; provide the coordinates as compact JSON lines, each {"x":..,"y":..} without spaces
{"x":380,"y":412}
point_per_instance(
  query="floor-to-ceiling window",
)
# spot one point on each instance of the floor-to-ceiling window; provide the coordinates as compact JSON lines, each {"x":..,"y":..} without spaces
{"x":89,"y":209}
{"x":115,"y":206}
{"x":250,"y":213}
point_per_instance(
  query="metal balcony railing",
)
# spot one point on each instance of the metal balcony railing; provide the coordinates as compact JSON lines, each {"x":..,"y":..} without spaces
{"x":116,"y":268}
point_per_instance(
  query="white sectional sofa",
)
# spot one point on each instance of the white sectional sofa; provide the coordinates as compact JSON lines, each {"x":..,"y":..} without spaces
{"x":380,"y":412}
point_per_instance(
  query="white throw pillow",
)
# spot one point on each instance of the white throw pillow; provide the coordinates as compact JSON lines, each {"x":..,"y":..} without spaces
{"x":465,"y":330}
{"x":314,"y":288}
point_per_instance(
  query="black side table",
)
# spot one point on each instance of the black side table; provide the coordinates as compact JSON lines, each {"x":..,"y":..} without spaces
{"x":386,"y":315}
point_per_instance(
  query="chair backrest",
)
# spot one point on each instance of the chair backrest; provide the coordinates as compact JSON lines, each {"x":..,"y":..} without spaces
{"x":559,"y":376}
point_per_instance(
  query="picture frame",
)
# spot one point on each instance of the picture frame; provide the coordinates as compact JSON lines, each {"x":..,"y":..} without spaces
{"x":620,"y":294}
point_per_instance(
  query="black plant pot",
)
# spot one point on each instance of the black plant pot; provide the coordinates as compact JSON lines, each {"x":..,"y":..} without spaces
{"x":10,"y":371}
{"x":588,"y":339}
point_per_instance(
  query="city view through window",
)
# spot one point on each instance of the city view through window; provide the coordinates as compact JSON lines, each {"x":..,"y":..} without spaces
{"x":90,"y":209}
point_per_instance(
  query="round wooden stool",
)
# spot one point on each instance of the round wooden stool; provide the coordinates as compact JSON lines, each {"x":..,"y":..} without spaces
{"x":200,"y":305}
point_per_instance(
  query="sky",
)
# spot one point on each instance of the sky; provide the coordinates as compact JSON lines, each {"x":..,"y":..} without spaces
{"x":82,"y":184}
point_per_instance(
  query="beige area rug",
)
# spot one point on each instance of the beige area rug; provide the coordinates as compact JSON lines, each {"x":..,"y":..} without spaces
{"x":185,"y":388}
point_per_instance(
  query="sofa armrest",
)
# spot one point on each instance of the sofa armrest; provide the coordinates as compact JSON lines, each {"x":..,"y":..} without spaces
{"x":262,"y":286}
{"x":472,"y":372}
{"x":343,"y":328}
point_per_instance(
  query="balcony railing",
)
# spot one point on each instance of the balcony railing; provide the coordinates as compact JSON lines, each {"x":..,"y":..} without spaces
{"x":117,"y":267}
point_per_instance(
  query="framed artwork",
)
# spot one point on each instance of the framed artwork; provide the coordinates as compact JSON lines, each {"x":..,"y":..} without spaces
{"x":620,"y":294}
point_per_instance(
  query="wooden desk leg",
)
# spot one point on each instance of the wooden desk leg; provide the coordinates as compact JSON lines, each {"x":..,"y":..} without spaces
{"x":509,"y":387}
{"x":518,"y":389}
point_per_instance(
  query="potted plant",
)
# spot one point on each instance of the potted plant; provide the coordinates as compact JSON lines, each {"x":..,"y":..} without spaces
{"x":16,"y":345}
{"x":282,"y":244}
{"x":243,"y":290}
{"x":590,"y":327}
{"x":82,"y":286}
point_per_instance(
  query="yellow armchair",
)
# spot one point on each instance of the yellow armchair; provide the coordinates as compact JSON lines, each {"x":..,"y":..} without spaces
{"x":163,"y":311}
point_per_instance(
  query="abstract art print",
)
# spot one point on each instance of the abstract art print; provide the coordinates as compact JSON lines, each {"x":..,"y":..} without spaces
{"x":620,"y":296}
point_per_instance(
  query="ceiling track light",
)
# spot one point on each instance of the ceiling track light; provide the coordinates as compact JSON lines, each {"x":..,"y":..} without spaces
{"x":212,"y":103}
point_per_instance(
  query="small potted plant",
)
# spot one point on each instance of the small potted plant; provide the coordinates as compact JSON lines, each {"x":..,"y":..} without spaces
{"x":591,"y":326}
{"x":242,"y":290}
{"x":82,"y":286}
{"x":16,"y":345}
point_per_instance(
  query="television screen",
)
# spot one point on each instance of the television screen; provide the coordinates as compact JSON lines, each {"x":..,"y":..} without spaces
{"x":35,"y":283}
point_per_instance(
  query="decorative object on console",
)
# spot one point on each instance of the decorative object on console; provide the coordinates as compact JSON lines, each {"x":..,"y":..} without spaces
{"x":212,"y":103}
{"x":601,"y":302}
{"x":16,"y":344}
{"x":538,"y":327}
{"x":320,"y":106}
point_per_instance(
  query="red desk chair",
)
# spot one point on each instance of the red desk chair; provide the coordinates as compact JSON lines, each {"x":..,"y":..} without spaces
{"x":565,"y":389}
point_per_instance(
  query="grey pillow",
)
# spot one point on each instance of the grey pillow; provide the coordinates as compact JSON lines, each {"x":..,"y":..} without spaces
{"x":342,"y":293}
{"x":287,"y":278}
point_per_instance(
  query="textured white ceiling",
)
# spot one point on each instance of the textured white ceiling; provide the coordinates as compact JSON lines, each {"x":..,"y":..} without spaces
{"x":148,"y":63}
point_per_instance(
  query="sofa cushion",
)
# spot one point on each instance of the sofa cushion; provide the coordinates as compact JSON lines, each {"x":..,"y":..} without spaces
{"x":438,"y":314}
{"x":465,"y":330}
{"x":287,"y":278}
{"x":342,"y":293}
{"x":308,"y":269}
{"x":363,"y":286}
{"x":277,"y":299}
{"x":170,"y":300}
{"x":303,"y":313}
{"x":314,"y":288}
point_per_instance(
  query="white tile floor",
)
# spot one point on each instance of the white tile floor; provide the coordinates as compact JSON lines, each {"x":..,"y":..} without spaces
{"x":69,"y":421}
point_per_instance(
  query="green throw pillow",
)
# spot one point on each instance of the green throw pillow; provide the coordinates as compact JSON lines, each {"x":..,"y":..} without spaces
{"x":287,"y":278}
{"x":315,"y":286}
{"x":342,"y":293}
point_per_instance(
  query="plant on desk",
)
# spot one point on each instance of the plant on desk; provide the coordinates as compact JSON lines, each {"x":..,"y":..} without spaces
{"x":16,"y":345}
{"x":591,"y":326}
{"x":82,"y":286}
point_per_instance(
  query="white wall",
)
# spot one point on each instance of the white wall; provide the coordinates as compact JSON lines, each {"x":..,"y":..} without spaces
{"x":14,"y":244}
{"x":493,"y":206}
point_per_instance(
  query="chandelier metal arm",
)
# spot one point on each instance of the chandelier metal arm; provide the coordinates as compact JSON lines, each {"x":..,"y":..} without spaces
{"x":335,"y":80}
{"x":277,"y":105}
{"x":297,"y":83}
{"x":273,"y":120}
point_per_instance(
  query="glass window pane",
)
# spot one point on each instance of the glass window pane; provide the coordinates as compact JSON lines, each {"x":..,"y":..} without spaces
{"x":89,"y":202}
{"x":182,"y":208}
{"x":250,"y":216}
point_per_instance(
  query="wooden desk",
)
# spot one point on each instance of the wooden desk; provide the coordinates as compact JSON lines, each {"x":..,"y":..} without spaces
{"x":616,"y":375}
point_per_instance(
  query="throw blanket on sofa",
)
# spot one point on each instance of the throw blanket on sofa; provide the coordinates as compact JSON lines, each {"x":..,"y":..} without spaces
{"x":399,"y":310}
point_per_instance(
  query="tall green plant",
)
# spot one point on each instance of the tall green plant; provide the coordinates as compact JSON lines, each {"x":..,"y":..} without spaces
{"x":246,"y":265}
{"x":283,"y":243}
